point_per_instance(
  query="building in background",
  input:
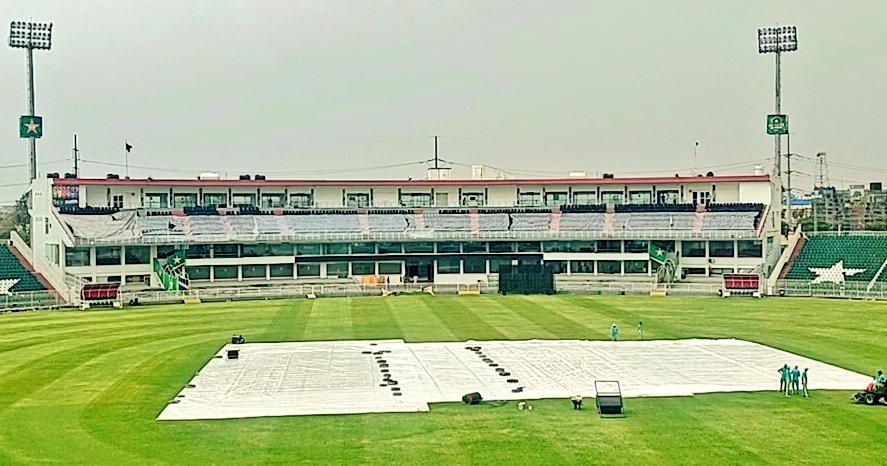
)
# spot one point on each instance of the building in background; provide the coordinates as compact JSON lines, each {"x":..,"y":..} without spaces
{"x":855,"y":208}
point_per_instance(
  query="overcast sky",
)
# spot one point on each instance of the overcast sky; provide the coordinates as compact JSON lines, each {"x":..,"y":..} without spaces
{"x":308,"y":89}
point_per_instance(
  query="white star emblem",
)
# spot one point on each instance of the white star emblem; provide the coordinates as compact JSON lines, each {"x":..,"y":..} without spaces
{"x":6,"y":284}
{"x":834,"y":274}
{"x":177,"y":259}
{"x":660,"y":252}
{"x":32,"y":127}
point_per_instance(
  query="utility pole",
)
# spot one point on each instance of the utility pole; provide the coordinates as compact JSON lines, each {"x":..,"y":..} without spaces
{"x":76,"y":159}
{"x":821,"y":170}
{"x":788,"y":180}
{"x":29,"y":36}
{"x":435,"y":152}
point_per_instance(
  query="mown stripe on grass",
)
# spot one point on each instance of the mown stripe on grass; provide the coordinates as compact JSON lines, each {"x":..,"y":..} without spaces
{"x":462,"y":319}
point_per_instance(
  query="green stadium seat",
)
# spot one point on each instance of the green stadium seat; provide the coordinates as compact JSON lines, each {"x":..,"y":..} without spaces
{"x":10,"y":267}
{"x":838,"y":259}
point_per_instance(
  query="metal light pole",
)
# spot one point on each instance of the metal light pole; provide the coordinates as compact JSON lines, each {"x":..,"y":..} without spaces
{"x":30,"y":36}
{"x":777,"y":40}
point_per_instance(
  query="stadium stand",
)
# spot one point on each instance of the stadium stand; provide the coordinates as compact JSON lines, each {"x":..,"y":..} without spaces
{"x":125,"y":225}
{"x":12,"y":269}
{"x":839,"y":259}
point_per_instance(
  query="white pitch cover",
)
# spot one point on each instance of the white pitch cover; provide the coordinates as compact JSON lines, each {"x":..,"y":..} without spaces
{"x":346,"y":377}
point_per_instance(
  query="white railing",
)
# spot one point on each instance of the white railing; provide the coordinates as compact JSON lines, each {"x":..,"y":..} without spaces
{"x":848,"y":233}
{"x":426,"y":235}
{"x":638,"y":288}
{"x":854,"y":290}
{"x":29,"y":300}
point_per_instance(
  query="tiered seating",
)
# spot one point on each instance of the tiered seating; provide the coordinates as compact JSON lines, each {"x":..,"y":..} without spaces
{"x":318,"y":224}
{"x":205,"y":225}
{"x":536,"y":221}
{"x":839,"y":259}
{"x":495,"y":221}
{"x":447,"y":222}
{"x":582,"y":221}
{"x":11,"y":269}
{"x":730,"y":221}
{"x":396,"y":222}
{"x":126,"y":225}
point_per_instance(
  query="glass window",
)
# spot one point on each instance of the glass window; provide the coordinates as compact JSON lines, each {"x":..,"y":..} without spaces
{"x":225,"y":272}
{"x":184,"y":200}
{"x":198,"y":273}
{"x":750,"y":249}
{"x":415,"y":199}
{"x":420,"y":247}
{"x":611,"y":197}
{"x":138,"y":255}
{"x":529,"y":199}
{"x":524,"y":260}
{"x":390,"y":268}
{"x":107,"y":256}
{"x":636,"y":266}
{"x":363,"y":268}
{"x":390,"y":248}
{"x":557,"y":266}
{"x":272,"y":200}
{"x":498,"y":261}
{"x":281,"y":249}
{"x":609,"y":267}
{"x":302,"y":200}
{"x":117,"y":201}
{"x":695,"y":271}
{"x":640,"y":197}
{"x":77,"y":257}
{"x":581,"y":266}
{"x":693,"y":248}
{"x":363,"y":248}
{"x":474,"y":264}
{"x":474,"y":246}
{"x":473,"y":199}
{"x":281,"y":270}
{"x":256,"y":250}
{"x":448,"y":247}
{"x":308,"y":249}
{"x":225,"y":250}
{"x":448,"y":265}
{"x":636,"y":246}
{"x":308,"y":270}
{"x":243,"y":199}
{"x":556,"y":246}
{"x":556,"y":198}
{"x":529,"y":246}
{"x":501,"y":246}
{"x":664,"y":244}
{"x":357,"y":200}
{"x":667,"y":197}
{"x":584,"y":197}
{"x":157,"y":200}
{"x":335,"y":248}
{"x":720,"y":248}
{"x":607,"y":245}
{"x":195,"y":251}
{"x":337,"y":269}
{"x":165,"y":250}
{"x":253,"y":271}
{"x":216,"y":199}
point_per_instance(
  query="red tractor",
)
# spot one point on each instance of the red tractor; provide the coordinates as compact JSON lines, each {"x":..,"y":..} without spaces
{"x":872,"y":395}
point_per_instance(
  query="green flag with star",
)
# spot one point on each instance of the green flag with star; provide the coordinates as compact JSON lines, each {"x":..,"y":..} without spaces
{"x":30,"y":126}
{"x":175,"y":261}
{"x":658,"y":254}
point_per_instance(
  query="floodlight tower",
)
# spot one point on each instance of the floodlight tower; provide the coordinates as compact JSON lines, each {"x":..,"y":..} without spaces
{"x":29,"y":35}
{"x":777,"y":40}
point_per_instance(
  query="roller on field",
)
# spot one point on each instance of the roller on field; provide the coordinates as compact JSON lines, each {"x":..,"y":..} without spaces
{"x":872,"y":395}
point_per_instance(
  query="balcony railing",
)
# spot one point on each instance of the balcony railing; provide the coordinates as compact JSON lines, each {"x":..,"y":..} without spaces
{"x":423,"y":236}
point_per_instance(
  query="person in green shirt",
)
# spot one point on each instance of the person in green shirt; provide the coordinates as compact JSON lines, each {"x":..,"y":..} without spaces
{"x":785,"y":379}
{"x":614,"y":333}
{"x":796,"y":379}
{"x":641,"y":330}
{"x":880,"y":381}
{"x":804,"y":383}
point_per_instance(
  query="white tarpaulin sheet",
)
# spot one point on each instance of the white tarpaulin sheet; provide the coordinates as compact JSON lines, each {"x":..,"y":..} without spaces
{"x":341,"y":377}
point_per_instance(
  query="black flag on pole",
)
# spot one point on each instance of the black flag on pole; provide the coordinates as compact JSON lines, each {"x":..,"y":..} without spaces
{"x":128,"y":146}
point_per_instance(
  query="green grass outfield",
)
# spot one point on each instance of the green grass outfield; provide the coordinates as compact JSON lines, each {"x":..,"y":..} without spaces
{"x":85,"y":387}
